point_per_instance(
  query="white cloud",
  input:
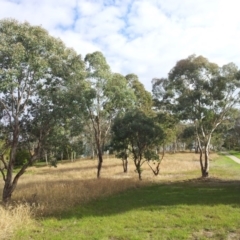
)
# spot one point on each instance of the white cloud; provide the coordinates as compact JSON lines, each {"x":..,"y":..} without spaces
{"x":145,"y":37}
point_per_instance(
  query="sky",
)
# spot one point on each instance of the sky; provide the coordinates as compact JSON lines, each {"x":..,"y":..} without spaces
{"x":145,"y":37}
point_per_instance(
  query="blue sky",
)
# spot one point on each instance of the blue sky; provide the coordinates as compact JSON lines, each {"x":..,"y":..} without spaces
{"x":145,"y":37}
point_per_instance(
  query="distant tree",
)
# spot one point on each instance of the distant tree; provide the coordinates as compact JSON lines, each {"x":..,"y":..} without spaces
{"x":189,"y":136}
{"x":35,"y":72}
{"x":143,"y":97}
{"x":167,"y":122}
{"x":142,"y":101}
{"x":229,"y":134}
{"x":140,"y":135}
{"x":202,"y":93}
{"x":108,"y":94}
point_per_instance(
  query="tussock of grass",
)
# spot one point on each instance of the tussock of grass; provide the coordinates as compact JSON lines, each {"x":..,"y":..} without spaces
{"x":14,"y":218}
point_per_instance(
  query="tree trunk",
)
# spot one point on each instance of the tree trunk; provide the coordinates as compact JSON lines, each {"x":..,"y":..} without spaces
{"x":205,"y":173}
{"x":125,"y":164}
{"x":204,"y":165}
{"x":100,"y":161}
{"x":199,"y":147}
{"x":46,"y":158}
{"x":138,"y":168}
{"x":8,"y":187}
{"x":157,"y":170}
{"x":68,"y":157}
{"x":99,"y":151}
{"x":7,"y":193}
{"x":196,"y":146}
{"x":201,"y":160}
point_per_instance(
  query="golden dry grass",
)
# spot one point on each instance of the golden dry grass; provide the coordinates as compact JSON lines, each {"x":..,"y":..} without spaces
{"x":13,"y":218}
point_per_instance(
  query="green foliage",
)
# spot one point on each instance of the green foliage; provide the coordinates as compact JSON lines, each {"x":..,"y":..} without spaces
{"x":151,"y":155}
{"x":139,"y":134}
{"x":122,"y":154}
{"x":137,"y":131}
{"x":22,"y":157}
{"x":168,"y":123}
{"x":199,"y":89}
{"x":36,"y":72}
{"x":143,"y":99}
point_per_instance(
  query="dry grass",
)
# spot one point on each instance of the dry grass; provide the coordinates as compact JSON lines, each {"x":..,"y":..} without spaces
{"x":75,"y":182}
{"x":13,"y":218}
{"x":50,"y":190}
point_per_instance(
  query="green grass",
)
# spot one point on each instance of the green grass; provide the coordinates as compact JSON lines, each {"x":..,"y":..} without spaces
{"x":235,"y":153}
{"x":194,"y":209}
{"x":225,"y":168}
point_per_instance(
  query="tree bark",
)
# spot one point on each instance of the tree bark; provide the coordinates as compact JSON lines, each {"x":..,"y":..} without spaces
{"x":199,"y":147}
{"x":46,"y":158}
{"x":99,"y":152}
{"x":8,"y":185}
{"x":205,"y":173}
{"x":100,"y":161}
{"x":138,"y":168}
{"x":125,"y":164}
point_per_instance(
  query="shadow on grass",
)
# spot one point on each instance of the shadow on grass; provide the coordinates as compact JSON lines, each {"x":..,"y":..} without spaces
{"x":159,"y":196}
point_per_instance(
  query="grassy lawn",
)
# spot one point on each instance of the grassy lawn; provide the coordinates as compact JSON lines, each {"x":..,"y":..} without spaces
{"x":183,"y":209}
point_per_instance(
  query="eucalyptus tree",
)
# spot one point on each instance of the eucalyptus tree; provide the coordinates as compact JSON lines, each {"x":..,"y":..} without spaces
{"x":108,"y":94}
{"x":202,"y":93}
{"x":143,"y":102}
{"x":35,"y":73}
{"x":139,"y":134}
{"x":143,"y":97}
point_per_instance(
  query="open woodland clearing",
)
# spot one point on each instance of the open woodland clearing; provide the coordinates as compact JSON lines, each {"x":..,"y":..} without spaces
{"x":74,"y":182}
{"x":56,"y":104}
{"x":68,"y":202}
